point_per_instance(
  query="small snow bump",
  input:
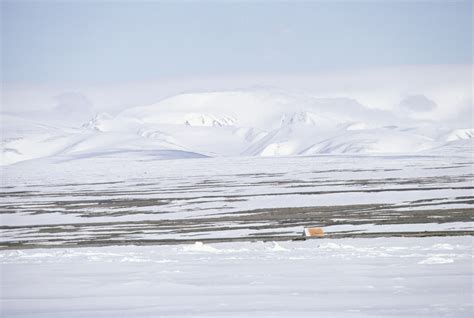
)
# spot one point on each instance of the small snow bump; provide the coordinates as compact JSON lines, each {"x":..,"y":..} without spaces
{"x":277,"y":247}
{"x":436,"y":260}
{"x":443,"y":246}
{"x":200,"y":247}
{"x":335,"y":246}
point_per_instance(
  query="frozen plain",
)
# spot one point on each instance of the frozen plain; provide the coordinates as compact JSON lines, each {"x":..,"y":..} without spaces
{"x":72,"y":248}
{"x":107,"y":201}
{"x":377,"y":277}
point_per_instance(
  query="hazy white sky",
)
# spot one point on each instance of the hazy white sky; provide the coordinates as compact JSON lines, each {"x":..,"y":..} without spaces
{"x":73,"y":59}
{"x":112,"y":41}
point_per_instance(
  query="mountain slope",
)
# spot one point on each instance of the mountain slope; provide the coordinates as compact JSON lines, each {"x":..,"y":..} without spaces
{"x":255,"y":123}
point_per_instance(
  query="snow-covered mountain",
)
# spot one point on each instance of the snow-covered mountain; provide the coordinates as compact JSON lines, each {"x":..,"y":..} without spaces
{"x":250,"y":123}
{"x":460,"y":134}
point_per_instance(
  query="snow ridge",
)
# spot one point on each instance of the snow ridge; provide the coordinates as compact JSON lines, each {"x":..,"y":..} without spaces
{"x":255,"y":123}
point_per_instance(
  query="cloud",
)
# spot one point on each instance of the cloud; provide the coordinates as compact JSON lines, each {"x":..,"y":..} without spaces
{"x":432,"y":92}
{"x":417,"y":103}
{"x":72,"y":102}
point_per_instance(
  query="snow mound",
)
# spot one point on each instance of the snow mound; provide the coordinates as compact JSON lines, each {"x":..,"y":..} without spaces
{"x":434,"y":260}
{"x":285,"y":148}
{"x":335,"y":246}
{"x":277,"y":247}
{"x":443,"y":246}
{"x":200,"y":247}
{"x":357,"y":126}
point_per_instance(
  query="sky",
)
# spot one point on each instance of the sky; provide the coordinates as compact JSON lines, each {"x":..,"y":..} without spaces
{"x":106,"y":41}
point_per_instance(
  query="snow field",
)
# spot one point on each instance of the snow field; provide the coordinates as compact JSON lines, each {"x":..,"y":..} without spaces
{"x":400,"y":277}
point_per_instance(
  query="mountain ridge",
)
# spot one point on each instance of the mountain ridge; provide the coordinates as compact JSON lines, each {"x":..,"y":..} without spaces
{"x":236,"y":123}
